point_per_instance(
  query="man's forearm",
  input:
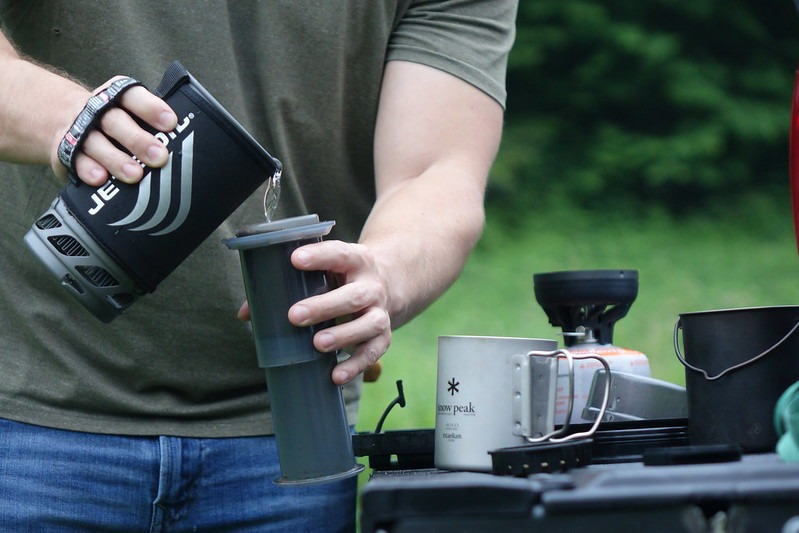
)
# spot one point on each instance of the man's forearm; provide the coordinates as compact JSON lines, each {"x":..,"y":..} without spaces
{"x":36,"y":106}
{"x":421,"y":237}
{"x":435,"y":141}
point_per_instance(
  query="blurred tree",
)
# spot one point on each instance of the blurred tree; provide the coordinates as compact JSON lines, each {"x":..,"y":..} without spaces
{"x":681,"y":105}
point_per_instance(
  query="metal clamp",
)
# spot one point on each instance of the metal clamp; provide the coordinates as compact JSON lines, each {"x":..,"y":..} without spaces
{"x":636,"y":397}
{"x":556,"y":435}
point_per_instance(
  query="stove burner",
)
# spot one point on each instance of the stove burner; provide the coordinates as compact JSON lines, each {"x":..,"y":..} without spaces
{"x":586,"y":302}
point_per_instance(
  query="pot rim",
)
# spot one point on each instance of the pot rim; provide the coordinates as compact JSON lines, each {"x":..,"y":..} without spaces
{"x":741,"y":309}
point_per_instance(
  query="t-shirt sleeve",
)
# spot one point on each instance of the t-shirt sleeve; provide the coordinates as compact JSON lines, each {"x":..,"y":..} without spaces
{"x":469,"y":39}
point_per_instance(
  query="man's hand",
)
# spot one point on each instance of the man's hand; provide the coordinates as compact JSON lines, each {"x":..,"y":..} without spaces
{"x":100,"y":157}
{"x":38,"y":106}
{"x":361,"y":295}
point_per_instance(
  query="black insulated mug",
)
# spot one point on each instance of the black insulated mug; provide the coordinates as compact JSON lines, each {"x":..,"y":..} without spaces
{"x":110,"y":245}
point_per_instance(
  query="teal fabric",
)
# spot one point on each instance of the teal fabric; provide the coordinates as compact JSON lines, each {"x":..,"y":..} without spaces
{"x":786,"y":423}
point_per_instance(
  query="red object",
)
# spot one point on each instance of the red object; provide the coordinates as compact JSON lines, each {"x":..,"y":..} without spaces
{"x":794,"y":157}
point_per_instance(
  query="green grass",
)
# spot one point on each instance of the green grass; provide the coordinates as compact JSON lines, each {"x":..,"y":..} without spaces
{"x":746,"y":257}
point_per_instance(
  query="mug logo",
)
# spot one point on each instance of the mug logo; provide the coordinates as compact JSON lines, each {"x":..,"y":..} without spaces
{"x":452,"y":386}
{"x":467,"y":409}
{"x":164,"y":194}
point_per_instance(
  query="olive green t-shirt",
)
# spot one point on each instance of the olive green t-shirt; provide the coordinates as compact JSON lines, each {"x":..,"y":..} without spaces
{"x":302,"y":76}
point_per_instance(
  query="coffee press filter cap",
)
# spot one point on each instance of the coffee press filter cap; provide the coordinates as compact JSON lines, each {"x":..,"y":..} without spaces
{"x":285,"y":230}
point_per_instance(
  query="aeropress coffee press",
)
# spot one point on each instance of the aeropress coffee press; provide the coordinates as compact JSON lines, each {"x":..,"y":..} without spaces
{"x":308,"y":414}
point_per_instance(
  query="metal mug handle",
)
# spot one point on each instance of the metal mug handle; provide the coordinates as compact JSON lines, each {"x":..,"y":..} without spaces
{"x":555,"y":436}
{"x":681,"y":358}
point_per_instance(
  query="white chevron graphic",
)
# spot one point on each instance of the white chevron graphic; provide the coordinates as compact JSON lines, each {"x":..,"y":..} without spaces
{"x":164,"y":195}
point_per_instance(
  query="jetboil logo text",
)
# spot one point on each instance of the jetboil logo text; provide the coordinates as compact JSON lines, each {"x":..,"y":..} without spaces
{"x":147,"y":194}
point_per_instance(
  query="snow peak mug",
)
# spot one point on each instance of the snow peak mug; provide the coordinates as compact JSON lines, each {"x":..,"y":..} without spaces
{"x":491,"y":393}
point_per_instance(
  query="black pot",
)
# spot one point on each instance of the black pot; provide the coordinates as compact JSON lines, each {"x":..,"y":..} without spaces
{"x":737,"y":364}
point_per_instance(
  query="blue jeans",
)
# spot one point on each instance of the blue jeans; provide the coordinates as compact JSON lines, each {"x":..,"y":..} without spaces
{"x":53,"y":481}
